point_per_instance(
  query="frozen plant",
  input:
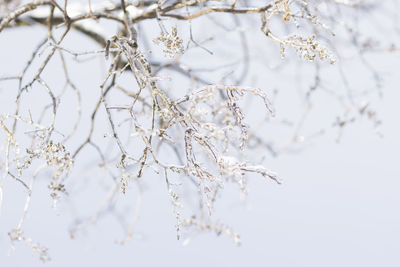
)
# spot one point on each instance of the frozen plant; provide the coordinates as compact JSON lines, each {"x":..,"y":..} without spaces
{"x":192,"y":116}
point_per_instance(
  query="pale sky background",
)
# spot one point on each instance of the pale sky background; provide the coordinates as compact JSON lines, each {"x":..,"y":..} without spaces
{"x":338,"y":204}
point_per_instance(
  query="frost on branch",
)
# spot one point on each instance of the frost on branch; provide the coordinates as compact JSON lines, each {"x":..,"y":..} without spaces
{"x":308,"y":48}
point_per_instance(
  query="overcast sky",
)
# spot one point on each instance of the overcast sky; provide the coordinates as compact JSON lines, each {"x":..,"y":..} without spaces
{"x":337,"y":206}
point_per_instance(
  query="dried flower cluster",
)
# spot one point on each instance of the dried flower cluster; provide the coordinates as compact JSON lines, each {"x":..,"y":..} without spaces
{"x":17,"y":235}
{"x":173,"y":44}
